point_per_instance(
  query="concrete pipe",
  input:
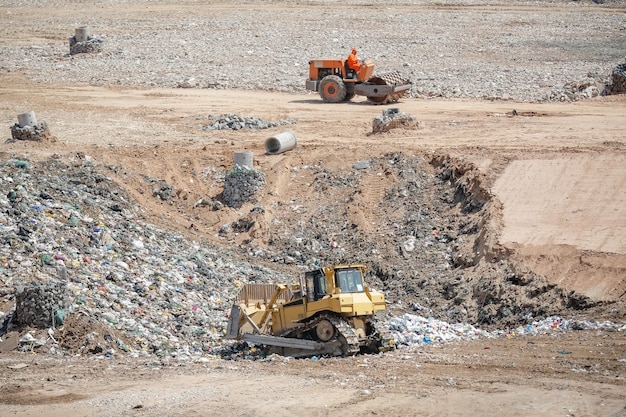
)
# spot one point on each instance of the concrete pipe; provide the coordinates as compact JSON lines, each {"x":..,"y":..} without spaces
{"x":82,"y":34}
{"x":244,"y":159}
{"x":281,"y":142}
{"x":27,"y":119}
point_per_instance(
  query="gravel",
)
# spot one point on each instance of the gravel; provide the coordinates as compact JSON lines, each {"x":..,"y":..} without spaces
{"x":485,"y":50}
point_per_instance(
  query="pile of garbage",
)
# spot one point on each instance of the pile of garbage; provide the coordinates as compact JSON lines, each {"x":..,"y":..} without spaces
{"x":393,"y":119}
{"x":135,"y":288}
{"x":237,"y":122}
{"x":242,"y":185}
{"x":69,"y":222}
{"x":38,"y":132}
{"x":93,"y":44}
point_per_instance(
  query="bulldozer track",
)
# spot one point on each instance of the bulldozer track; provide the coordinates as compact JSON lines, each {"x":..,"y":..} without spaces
{"x":385,"y":339}
{"x":351,"y":346}
{"x":346,"y":334}
{"x":389,"y":78}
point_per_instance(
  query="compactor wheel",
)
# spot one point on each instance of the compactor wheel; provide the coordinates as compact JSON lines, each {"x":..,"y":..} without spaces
{"x":325,"y":331}
{"x":390,"y":78}
{"x":332,"y":89}
{"x":378,"y":100}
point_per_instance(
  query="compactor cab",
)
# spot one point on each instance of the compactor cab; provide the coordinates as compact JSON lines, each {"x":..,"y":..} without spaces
{"x":336,"y":82}
{"x":331,"y":311}
{"x":320,"y":68}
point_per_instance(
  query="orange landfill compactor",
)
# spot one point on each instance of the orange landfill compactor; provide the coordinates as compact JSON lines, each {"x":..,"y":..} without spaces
{"x":336,"y":82}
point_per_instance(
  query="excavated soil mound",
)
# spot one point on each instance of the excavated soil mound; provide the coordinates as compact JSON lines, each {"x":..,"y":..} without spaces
{"x":86,"y":335}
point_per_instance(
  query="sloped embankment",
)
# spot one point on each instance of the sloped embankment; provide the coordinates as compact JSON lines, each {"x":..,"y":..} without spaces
{"x":428,"y":229}
{"x":492,"y":285}
{"x":563,"y":215}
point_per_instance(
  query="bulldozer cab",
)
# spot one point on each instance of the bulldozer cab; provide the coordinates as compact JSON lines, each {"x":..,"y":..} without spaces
{"x":330,"y":280}
{"x":349,"y":280}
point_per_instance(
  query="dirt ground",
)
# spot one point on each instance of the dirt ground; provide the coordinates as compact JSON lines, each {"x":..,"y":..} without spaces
{"x":557,"y":169}
{"x":574,"y":374}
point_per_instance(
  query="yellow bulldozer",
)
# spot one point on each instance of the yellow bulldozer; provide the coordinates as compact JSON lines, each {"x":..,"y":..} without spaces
{"x":336,"y":82}
{"x":330,"y":312}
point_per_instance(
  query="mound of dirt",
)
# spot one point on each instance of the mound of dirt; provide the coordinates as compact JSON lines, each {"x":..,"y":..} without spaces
{"x":81,"y":334}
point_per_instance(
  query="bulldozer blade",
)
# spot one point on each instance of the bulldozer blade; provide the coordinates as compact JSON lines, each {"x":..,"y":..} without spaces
{"x":268,"y":340}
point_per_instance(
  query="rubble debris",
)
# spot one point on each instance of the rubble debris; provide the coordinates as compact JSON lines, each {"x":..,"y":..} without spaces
{"x":593,"y":86}
{"x":39,"y":132}
{"x":237,"y":122}
{"x":41,"y":304}
{"x":241,"y":185}
{"x":79,"y":45}
{"x":188,"y":83}
{"x":393,"y":119}
{"x":580,"y":90}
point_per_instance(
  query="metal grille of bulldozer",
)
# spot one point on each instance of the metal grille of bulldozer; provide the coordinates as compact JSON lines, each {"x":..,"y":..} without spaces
{"x":260,"y":293}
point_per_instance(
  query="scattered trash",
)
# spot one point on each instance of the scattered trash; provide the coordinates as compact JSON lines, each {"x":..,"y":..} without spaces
{"x":410,"y":329}
{"x":237,"y":122}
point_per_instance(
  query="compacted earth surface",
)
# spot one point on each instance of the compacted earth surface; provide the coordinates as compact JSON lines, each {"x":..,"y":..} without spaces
{"x":493,"y":217}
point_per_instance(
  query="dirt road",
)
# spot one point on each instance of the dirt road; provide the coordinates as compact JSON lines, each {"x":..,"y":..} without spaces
{"x":576,"y":374}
